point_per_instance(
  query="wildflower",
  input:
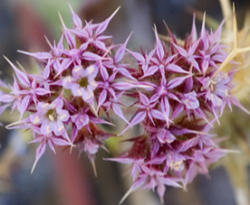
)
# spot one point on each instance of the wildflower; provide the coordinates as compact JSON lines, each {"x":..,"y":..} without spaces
{"x":49,"y":139}
{"x":51,"y":117}
{"x":74,"y":78}
{"x":176,"y":88}
{"x":82,"y":83}
{"x":90,"y":140}
{"x":173,"y":113}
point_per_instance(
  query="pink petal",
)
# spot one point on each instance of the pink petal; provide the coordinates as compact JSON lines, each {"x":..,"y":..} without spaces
{"x":118,"y":111}
{"x":188,"y":144}
{"x":6,"y":98}
{"x":175,"y":68}
{"x":38,"y":55}
{"x":190,"y":173}
{"x":150,"y":71}
{"x":160,"y":191}
{"x":102,"y":98}
{"x":60,"y":142}
{"x":180,"y":50}
{"x":193,"y":31}
{"x":91,"y":56}
{"x":137,"y":56}
{"x":144,"y":99}
{"x":159,"y":46}
{"x":22,"y":77}
{"x":169,"y":181}
{"x":24,"y":105}
{"x":176,"y":82}
{"x":138,"y":117}
{"x":77,"y":21}
{"x":157,"y":114}
{"x":120,"y":52}
{"x":104,"y":72}
{"x":125,"y":73}
{"x":102,"y":26}
{"x":193,"y":48}
{"x":123,"y":86}
{"x":39,"y":152}
{"x":165,"y":107}
{"x":51,"y":145}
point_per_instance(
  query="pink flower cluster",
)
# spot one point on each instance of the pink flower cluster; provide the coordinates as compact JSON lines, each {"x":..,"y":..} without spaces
{"x":179,"y":92}
{"x":75,"y":83}
{"x":186,"y":93}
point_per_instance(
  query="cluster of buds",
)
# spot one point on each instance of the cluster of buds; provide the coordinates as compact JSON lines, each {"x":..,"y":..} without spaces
{"x":178,"y":90}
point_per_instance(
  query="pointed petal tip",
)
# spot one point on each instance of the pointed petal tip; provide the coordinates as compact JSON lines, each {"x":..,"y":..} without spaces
{"x":155,"y":29}
{"x":116,"y":11}
{"x":169,"y":32}
{"x":129,"y":36}
{"x":24,"y":52}
{"x":113,"y":14}
{"x":7,"y":59}
{"x":33,"y":167}
{"x":203,"y":24}
{"x":71,"y":147}
{"x":94,"y":167}
{"x":232,"y":151}
{"x":233,"y":8}
{"x":47,"y":40}
{"x":69,"y":5}
{"x":120,"y":133}
{"x":61,"y":19}
{"x":126,"y":195}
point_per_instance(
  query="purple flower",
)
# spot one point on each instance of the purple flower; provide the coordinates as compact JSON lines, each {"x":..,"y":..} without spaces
{"x":217,"y":88}
{"x":51,"y":118}
{"x":90,"y":139}
{"x":90,"y":34}
{"x":25,"y":89}
{"x":80,"y":120}
{"x":190,"y":100}
{"x":189,"y":54}
{"x":146,"y":111}
{"x":51,"y":140}
{"x":143,"y":60}
{"x":82,"y":82}
{"x":178,"y":90}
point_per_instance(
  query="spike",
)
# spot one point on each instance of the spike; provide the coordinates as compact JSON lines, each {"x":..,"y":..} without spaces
{"x":94,"y":167}
{"x":235,"y":29}
{"x":169,"y":32}
{"x":227,"y":12}
{"x":203,"y":24}
{"x":194,"y":31}
{"x":21,"y":67}
{"x":61,"y":19}
{"x":33,"y":167}
{"x":126,"y":195}
{"x":47,"y":40}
